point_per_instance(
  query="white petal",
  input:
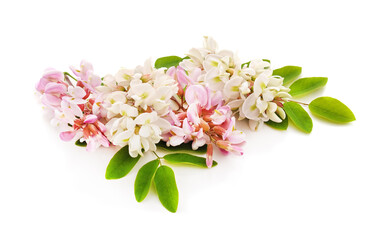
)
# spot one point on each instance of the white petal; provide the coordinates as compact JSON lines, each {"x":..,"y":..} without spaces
{"x":135,"y":145}
{"x":145,"y":144}
{"x":261,"y":105}
{"x":235,"y":104}
{"x":122,"y":138}
{"x":281,"y":112}
{"x":273,"y":116}
{"x":231,"y":88}
{"x":254,"y":125}
{"x":249,"y":108}
{"x":163,"y":124}
{"x":146,"y":118}
{"x":127,"y":110}
{"x":260,"y":84}
{"x":145,"y":131}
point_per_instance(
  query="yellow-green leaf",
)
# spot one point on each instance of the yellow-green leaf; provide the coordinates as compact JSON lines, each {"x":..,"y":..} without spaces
{"x":187,"y":159}
{"x":121,"y":164}
{"x":289,"y":73}
{"x":166,"y":188}
{"x":144,"y":179}
{"x":167,"y":62}
{"x":331,"y":109}
{"x":306,"y":85}
{"x":298,"y":116}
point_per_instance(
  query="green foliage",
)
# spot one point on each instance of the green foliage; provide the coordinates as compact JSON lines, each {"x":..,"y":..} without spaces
{"x":298,"y":116}
{"x":306,"y":85}
{"x":166,"y":188}
{"x":144,"y":179}
{"x":184,"y":147}
{"x":121,"y":164}
{"x":289,"y":73}
{"x":279,"y":126}
{"x":168,"y":62}
{"x":80,"y":144}
{"x":187,"y":159}
{"x":331,"y":109}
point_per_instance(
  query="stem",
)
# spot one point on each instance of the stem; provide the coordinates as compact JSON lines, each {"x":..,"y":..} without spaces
{"x":306,"y":104}
{"x":68,"y":81}
{"x":68,"y":74}
{"x":158,"y":157}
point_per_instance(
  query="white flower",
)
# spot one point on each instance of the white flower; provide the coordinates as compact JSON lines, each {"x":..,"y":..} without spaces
{"x":113,"y":101}
{"x":124,"y":76}
{"x":216,"y":79}
{"x":255,"y":68}
{"x":109,"y":84}
{"x":144,"y":132}
{"x":142,"y":94}
{"x":259,"y":106}
{"x":235,"y":87}
{"x":160,"y":101}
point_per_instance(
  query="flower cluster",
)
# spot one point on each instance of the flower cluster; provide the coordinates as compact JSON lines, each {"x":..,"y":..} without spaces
{"x":190,"y":103}
{"x":194,"y":101}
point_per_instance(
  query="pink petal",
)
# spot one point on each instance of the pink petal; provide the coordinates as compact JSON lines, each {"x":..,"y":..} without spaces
{"x":171,"y":71}
{"x":91,"y":145}
{"x":192,"y":113}
{"x":67,"y":136}
{"x":90,"y":119}
{"x":236,"y":137}
{"x":182,"y":77}
{"x":40,"y":86}
{"x":196,"y":94}
{"x":209,"y":155}
{"x":53,"y":87}
{"x":50,"y":100}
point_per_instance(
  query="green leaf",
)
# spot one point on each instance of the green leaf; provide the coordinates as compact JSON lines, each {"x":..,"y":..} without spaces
{"x":80,"y":144}
{"x":331,"y":109}
{"x":298,"y":116}
{"x":280,"y":126}
{"x":121,"y":164}
{"x":289,"y":73}
{"x":184,"y":147}
{"x":187,"y":159}
{"x":306,"y":85}
{"x":168,"y":62}
{"x":144,"y":179}
{"x":166,"y":188}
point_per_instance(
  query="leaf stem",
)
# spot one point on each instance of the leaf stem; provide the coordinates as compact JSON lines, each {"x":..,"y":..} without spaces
{"x":158,"y":157}
{"x":306,"y":104}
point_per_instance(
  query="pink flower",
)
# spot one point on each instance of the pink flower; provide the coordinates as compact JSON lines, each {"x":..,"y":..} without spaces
{"x":52,"y":87}
{"x":90,"y":129}
{"x":86,"y":75}
{"x":220,"y":115}
{"x":50,"y":75}
{"x":196,"y":94}
{"x":232,"y":135}
{"x":180,"y":75}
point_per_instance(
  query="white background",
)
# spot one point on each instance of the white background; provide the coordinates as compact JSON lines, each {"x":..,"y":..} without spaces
{"x":288,"y":185}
